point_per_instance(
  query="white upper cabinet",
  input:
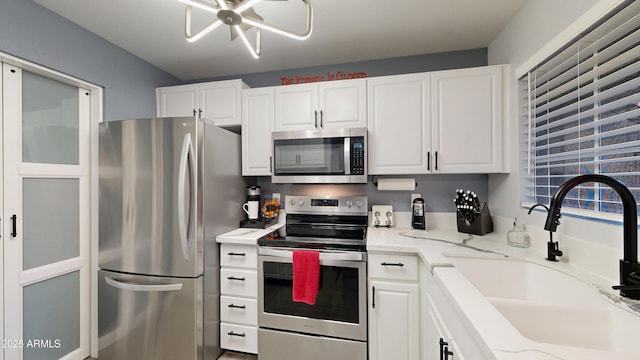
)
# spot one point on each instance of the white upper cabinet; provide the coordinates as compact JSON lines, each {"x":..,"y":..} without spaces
{"x":218,"y":101}
{"x":325,"y":105}
{"x":257,"y":123}
{"x":467,"y":110}
{"x":439,"y":122}
{"x":399,"y":124}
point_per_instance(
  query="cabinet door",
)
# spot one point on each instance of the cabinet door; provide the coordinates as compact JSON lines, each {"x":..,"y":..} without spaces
{"x":343,"y":104}
{"x":177,"y":101}
{"x":399,"y":124}
{"x":467,"y":112}
{"x":296,"y":107}
{"x":394,"y":329}
{"x":220,"y":102}
{"x":257,"y":122}
{"x":440,"y":343}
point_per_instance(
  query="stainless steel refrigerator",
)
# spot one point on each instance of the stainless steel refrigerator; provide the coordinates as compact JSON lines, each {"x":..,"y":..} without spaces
{"x":168,"y":186}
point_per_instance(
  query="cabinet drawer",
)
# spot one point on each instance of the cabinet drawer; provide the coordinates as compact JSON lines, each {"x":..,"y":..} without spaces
{"x":239,"y":310}
{"x":243,"y":256}
{"x":239,"y":282}
{"x":393,"y":266}
{"x":239,"y":338}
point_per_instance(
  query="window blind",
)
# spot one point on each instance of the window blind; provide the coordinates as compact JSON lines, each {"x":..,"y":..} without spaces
{"x":580,"y":114}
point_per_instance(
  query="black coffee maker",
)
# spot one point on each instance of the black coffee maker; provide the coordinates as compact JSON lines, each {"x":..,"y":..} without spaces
{"x":417,"y":214}
{"x":253,"y":209}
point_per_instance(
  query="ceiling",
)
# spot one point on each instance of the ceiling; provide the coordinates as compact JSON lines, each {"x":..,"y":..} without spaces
{"x":344,"y":31}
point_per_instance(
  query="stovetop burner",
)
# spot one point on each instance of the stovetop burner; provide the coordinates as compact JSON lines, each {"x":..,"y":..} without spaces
{"x":326,"y":223}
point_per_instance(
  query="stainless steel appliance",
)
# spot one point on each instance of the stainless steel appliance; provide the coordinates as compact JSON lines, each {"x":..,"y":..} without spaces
{"x":320,"y":156}
{"x":168,"y":186}
{"x":418,"y":215}
{"x":335,"y":327}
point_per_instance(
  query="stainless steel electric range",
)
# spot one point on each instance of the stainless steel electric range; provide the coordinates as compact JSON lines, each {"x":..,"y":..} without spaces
{"x":335,"y":327}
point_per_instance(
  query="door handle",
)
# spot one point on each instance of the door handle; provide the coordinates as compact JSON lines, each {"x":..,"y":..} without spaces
{"x":321,"y":118}
{"x":14,"y":220}
{"x":235,"y":278}
{"x":315,"y":114}
{"x":236,"y":254}
{"x":186,"y":160}
{"x":436,"y":161}
{"x":428,"y":160}
{"x":199,"y":113}
{"x":142,"y":287}
{"x":194,"y":112}
{"x":231,"y":333}
{"x":237,"y":306}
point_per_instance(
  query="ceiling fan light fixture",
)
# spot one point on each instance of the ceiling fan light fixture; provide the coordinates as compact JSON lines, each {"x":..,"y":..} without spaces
{"x":230,"y":12}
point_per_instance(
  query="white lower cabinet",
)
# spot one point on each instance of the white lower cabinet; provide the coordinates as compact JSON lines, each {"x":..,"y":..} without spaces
{"x":439,"y":343}
{"x":239,"y":338}
{"x":394,"y":306}
{"x":444,"y":332}
{"x":238,"y":298}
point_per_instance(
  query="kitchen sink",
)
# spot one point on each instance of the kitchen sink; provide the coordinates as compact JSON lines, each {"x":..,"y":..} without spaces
{"x":547,"y":305}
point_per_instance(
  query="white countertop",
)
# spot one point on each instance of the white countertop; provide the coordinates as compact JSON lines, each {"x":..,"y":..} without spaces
{"x":503,"y":340}
{"x":248,"y":236}
{"x":499,"y":336}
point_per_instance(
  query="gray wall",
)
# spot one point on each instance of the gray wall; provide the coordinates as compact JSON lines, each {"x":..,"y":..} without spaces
{"x":381,"y":67}
{"x":437,"y":190}
{"x":31,"y":32}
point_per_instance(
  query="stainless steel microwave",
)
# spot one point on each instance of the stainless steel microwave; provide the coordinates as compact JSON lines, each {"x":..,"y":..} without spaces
{"x":331,"y":156}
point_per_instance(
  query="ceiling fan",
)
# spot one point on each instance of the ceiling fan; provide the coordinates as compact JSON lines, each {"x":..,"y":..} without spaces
{"x":240,"y":16}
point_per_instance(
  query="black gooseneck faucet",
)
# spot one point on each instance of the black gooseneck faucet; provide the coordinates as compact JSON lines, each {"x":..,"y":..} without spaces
{"x":629,"y":267}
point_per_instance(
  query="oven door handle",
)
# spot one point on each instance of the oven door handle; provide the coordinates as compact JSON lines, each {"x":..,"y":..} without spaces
{"x":324,"y":255}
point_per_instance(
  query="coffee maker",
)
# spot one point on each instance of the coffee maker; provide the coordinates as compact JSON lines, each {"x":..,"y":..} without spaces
{"x":418,"y":220}
{"x":252,"y":208}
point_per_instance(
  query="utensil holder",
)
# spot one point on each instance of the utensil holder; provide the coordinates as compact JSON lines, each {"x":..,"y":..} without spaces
{"x":475,"y":222}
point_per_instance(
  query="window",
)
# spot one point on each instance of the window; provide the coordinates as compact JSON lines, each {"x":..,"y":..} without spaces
{"x":581,"y":115}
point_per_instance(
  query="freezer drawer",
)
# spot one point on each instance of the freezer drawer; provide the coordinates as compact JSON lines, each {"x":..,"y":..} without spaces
{"x":146,"y":317}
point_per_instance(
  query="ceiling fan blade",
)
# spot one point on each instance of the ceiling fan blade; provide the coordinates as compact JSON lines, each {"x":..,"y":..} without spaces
{"x":248,"y":14}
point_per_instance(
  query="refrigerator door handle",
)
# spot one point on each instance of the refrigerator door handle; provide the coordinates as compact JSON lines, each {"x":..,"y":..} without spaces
{"x":186,"y":159}
{"x":141,"y":287}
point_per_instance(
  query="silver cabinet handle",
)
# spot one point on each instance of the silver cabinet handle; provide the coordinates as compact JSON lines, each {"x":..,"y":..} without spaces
{"x":141,"y":287}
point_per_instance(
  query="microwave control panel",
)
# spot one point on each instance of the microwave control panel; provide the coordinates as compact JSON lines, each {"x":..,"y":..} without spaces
{"x":357,"y":155}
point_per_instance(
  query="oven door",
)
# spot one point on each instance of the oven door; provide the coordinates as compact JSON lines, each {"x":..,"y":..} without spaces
{"x":340,"y":308}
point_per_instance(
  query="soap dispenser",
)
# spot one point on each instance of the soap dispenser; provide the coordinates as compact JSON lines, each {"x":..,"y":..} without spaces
{"x":517,"y":236}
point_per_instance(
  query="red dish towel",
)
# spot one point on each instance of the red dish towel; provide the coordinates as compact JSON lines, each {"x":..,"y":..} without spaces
{"x":306,"y":276}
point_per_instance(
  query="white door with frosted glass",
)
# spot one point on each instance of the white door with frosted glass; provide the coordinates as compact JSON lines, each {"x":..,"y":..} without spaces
{"x":46,"y":217}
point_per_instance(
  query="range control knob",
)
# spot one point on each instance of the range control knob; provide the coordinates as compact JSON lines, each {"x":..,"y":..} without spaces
{"x":359,"y":203}
{"x":349,"y":203}
{"x":292,"y":202}
{"x":301,"y":202}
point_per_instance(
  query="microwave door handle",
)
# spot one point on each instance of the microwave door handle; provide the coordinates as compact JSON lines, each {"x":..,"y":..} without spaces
{"x":347,"y":155}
